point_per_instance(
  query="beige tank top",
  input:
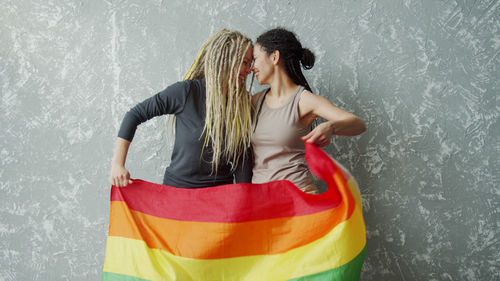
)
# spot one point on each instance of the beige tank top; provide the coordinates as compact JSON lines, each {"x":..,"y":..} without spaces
{"x":278,"y":149}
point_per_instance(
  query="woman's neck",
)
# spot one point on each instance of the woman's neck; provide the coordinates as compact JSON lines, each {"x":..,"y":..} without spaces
{"x":282,"y":85}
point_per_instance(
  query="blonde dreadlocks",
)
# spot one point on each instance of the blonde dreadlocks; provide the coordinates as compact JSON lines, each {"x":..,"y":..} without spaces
{"x":228,"y":106}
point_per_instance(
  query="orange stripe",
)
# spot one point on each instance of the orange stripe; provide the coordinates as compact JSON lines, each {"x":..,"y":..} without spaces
{"x":208,"y":240}
{"x":347,"y":199}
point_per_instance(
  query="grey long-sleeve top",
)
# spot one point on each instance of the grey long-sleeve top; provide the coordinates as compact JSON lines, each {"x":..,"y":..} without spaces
{"x":187,"y":169}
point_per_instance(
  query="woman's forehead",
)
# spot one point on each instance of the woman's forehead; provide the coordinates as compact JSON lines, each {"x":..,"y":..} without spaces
{"x":257,"y":48}
{"x":249,"y":53}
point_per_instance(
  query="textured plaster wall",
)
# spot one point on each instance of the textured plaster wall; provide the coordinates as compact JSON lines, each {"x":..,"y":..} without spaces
{"x":423,"y":74}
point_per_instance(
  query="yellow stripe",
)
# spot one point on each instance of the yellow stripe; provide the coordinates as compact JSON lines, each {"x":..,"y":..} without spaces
{"x":132,"y":257}
{"x":354,"y":189}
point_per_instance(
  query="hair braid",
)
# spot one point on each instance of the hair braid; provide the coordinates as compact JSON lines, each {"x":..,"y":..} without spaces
{"x":228,"y":107}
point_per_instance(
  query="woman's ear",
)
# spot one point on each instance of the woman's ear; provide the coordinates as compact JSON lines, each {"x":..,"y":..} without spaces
{"x":275,"y":57}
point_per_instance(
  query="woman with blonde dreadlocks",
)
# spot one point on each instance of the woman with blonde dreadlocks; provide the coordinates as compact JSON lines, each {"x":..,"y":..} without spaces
{"x":212,"y":111}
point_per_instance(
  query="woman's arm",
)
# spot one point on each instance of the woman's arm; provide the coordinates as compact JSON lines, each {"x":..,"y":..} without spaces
{"x":169,"y":101}
{"x":119,"y":174}
{"x":339,"y":121}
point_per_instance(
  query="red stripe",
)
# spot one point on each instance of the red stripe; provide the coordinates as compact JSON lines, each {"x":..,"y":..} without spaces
{"x":253,"y":201}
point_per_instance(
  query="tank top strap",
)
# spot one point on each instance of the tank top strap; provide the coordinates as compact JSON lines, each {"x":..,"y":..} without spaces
{"x":261,"y":99}
{"x":258,"y":107}
{"x":295,"y":102}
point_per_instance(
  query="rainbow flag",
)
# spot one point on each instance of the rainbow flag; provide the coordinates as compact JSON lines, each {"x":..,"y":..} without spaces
{"x":254,"y":232}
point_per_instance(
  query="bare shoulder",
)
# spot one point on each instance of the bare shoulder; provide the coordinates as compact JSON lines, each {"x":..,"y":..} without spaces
{"x":316,"y":104}
{"x":307,"y":96}
{"x":309,"y":100}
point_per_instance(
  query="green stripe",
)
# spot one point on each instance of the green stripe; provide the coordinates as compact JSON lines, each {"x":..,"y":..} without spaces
{"x":348,"y":272}
{"x":108,"y":276}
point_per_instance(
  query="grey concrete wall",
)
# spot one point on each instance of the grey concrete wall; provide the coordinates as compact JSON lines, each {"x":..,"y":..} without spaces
{"x":423,"y":74}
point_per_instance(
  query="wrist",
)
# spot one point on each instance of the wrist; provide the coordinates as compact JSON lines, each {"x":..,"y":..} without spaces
{"x":117,"y":164}
{"x":331,"y":127}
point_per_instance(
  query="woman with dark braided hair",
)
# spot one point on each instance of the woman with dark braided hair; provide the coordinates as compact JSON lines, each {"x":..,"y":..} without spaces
{"x":212,"y":110}
{"x":285,"y":112}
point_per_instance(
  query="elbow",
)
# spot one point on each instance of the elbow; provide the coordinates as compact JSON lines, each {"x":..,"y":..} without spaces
{"x":357,"y":126}
{"x":351,"y":126}
{"x":361,"y":126}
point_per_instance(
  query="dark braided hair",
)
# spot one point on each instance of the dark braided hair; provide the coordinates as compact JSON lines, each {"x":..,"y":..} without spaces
{"x":291,"y":52}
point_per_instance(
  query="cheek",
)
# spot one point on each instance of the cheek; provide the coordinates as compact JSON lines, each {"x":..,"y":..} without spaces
{"x":264,"y":66}
{"x":258,"y":64}
{"x":243,"y":69}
